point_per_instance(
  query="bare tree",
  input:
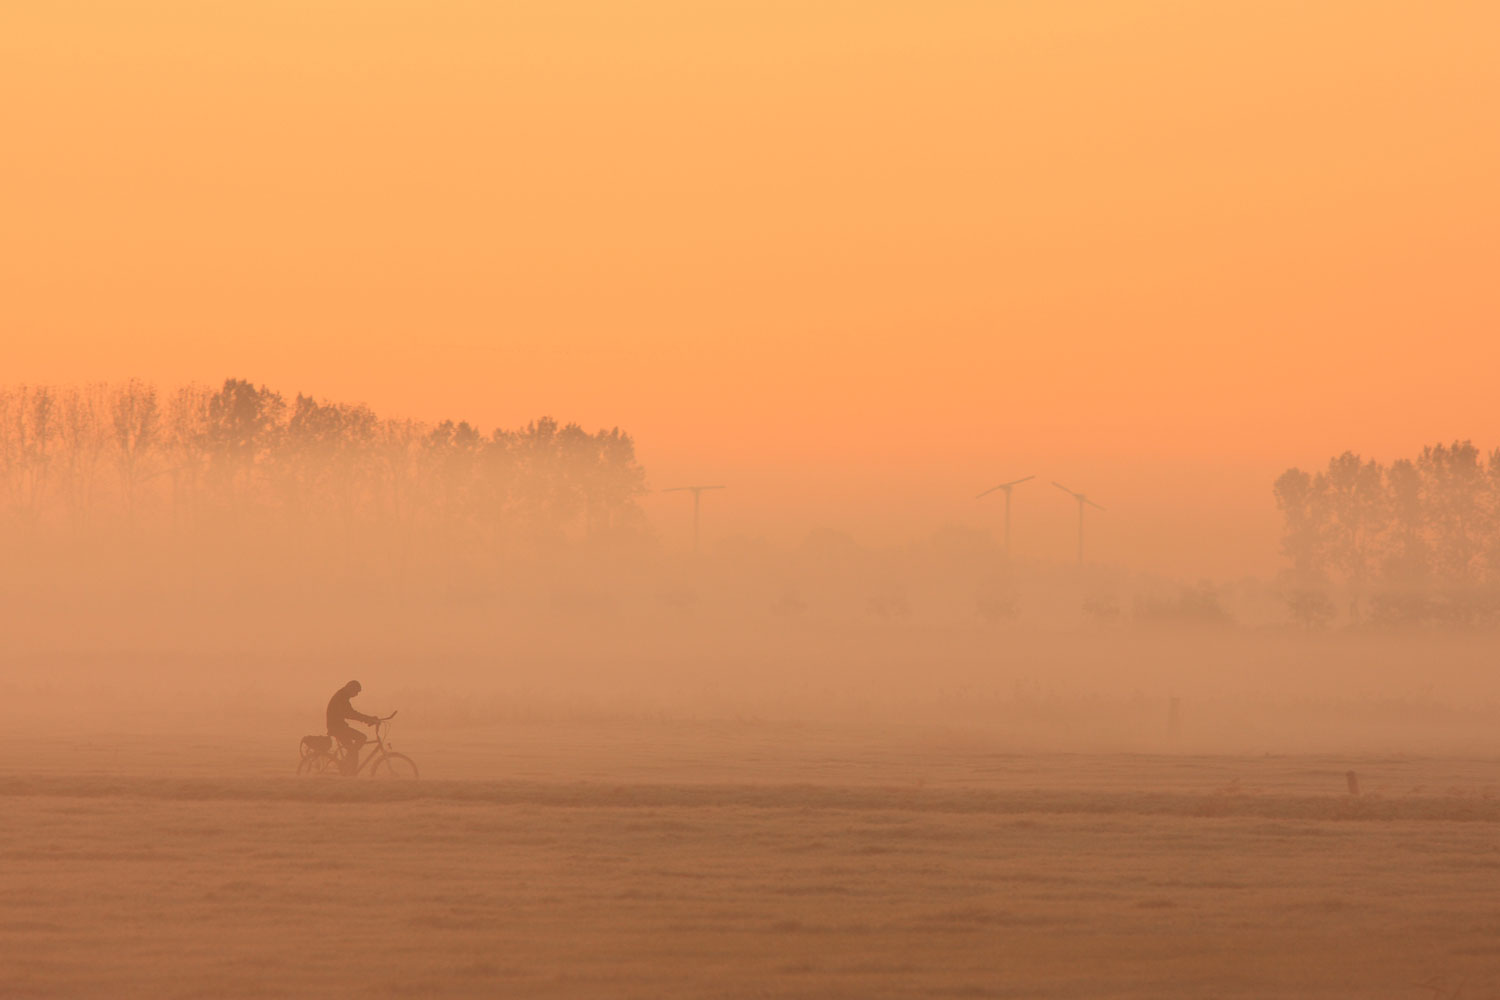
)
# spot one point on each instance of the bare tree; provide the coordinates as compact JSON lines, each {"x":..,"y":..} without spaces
{"x":1457,"y":502}
{"x":82,"y":441}
{"x":27,"y":433}
{"x":1354,"y":492}
{"x":399,"y":493}
{"x":136,"y":424}
{"x":186,"y":448}
{"x":1428,"y":531}
{"x":1302,"y":502}
{"x":244,"y":423}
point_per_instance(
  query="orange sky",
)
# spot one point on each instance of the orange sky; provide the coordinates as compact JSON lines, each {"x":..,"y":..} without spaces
{"x":859,"y":260}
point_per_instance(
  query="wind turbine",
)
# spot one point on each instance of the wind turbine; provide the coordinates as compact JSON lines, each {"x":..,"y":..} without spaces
{"x":697,"y":500}
{"x":1007,"y":487}
{"x":1081,"y":501}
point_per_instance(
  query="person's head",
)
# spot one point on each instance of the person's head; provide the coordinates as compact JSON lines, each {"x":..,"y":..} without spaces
{"x":352,"y":688}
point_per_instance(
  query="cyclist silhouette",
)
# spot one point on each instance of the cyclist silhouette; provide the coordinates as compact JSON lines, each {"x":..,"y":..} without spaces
{"x":339,"y":712}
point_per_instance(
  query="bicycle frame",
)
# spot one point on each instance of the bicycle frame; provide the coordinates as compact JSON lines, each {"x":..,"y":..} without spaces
{"x":377,"y":746}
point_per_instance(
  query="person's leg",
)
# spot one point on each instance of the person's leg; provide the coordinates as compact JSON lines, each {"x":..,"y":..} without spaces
{"x":357,"y":741}
{"x":347,"y":738}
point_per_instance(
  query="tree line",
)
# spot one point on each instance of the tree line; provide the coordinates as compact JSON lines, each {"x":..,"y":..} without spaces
{"x":130,"y":457}
{"x":1416,"y":541}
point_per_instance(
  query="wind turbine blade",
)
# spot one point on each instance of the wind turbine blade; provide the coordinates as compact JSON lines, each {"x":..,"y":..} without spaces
{"x":1005,"y":486}
{"x":1092,"y":504}
{"x":1064,"y":488}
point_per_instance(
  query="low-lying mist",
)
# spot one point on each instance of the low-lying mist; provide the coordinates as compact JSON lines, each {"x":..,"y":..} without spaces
{"x":224,"y":555}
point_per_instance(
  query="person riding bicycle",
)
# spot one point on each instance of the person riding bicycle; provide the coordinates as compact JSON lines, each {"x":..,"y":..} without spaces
{"x":339,"y":712}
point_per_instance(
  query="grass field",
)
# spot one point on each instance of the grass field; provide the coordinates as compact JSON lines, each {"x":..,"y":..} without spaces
{"x":629,"y":860}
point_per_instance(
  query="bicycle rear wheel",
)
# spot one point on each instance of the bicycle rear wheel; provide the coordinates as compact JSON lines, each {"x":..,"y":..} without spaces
{"x":318,"y":763}
{"x":394,"y":765}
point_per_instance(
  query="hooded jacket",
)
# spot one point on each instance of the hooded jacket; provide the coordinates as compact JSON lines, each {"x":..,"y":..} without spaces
{"x":339,"y":710}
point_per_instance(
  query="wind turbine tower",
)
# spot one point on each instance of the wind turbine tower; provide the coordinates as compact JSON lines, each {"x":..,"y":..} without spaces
{"x":1081,"y":501}
{"x":1007,"y":487}
{"x":697,"y":502}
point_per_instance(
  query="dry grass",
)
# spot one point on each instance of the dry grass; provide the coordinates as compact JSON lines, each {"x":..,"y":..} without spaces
{"x":831,"y":864}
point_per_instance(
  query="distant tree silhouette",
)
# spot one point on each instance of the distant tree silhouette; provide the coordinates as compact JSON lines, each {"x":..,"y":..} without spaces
{"x":1420,"y":540}
{"x":244,"y":425}
{"x":1457,"y":498}
{"x":325,"y":464}
{"x":83,"y":439}
{"x":1310,"y":608}
{"x":1193,"y":605}
{"x":1354,"y":493}
{"x":309,"y":476}
{"x":135,"y":426}
{"x":997,"y":602}
{"x":1408,"y":556}
{"x":1304,"y":542}
{"x":186,"y":452}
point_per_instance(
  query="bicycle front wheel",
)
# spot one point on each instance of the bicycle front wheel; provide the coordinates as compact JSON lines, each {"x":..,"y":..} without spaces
{"x":394,"y":765}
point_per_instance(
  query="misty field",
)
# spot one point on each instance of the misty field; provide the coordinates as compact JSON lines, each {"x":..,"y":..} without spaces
{"x":741,"y":860}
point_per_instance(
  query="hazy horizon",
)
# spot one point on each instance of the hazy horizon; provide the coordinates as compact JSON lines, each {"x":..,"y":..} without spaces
{"x":1132,"y":534}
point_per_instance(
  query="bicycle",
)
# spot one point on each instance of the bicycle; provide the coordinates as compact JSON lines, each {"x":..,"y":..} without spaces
{"x":322,"y":755}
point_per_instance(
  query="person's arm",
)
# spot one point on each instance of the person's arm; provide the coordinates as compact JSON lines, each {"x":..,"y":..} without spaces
{"x":368,"y":720}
